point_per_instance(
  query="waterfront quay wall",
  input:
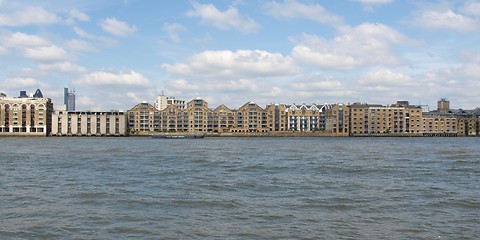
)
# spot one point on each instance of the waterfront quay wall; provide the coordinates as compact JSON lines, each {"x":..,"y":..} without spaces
{"x":275,"y":134}
{"x":22,"y":134}
{"x":300,"y":134}
{"x":404,"y":135}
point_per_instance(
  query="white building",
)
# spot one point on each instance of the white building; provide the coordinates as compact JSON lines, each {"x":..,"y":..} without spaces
{"x":162,"y":102}
{"x":87,"y":123}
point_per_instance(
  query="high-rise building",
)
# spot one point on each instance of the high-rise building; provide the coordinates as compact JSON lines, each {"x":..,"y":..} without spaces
{"x":69,"y":99}
{"x":23,"y":94}
{"x":443,"y":105}
{"x":38,"y":94}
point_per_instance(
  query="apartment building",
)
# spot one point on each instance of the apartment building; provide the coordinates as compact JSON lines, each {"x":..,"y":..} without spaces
{"x":439,"y":123}
{"x":198,"y":117}
{"x":468,"y":122}
{"x":377,"y":119}
{"x":162,"y":102}
{"x":277,"y":117}
{"x":468,"y":125}
{"x":143,"y":118}
{"x":224,"y":119}
{"x":86,"y":123}
{"x":306,"y":118}
{"x":250,"y":117}
{"x":337,"y":120}
{"x":25,"y":116}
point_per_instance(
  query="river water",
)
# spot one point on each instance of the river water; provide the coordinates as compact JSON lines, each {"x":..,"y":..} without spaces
{"x":240,"y":188}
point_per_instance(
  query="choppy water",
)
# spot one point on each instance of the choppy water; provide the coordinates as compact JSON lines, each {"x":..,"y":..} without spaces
{"x":240,"y":188}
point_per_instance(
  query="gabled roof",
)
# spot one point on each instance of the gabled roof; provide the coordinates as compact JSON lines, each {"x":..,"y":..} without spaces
{"x":222,"y":107}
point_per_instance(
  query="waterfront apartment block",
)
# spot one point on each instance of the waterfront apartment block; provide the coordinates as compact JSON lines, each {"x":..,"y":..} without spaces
{"x":436,"y":123}
{"x":86,"y":123}
{"x":469,"y":126}
{"x":277,"y":117}
{"x":249,"y":118}
{"x":372,"y":119}
{"x":337,"y":120}
{"x":33,"y":115}
{"x":334,"y":119}
{"x":468,"y":122}
{"x":306,"y":118}
{"x":25,"y":116}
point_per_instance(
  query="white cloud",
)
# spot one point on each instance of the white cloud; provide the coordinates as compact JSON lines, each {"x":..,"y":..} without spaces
{"x":292,"y":9}
{"x":23,"y":40}
{"x":443,"y":19}
{"x":3,"y":50}
{"x":471,"y":8}
{"x":173,"y":31}
{"x":238,"y":64}
{"x":99,"y":39}
{"x":77,"y":15}
{"x":21,"y":82}
{"x":80,"y":45}
{"x":373,"y":2}
{"x":239,"y":85}
{"x":365,"y":44}
{"x":116,"y":27}
{"x":80,"y":32}
{"x":85,"y":101}
{"x":27,"y":72}
{"x":66,"y":67}
{"x":324,"y":57}
{"x":50,"y":53}
{"x":134,"y":97}
{"x":322,"y":84}
{"x":129,"y":78}
{"x":384,"y":80}
{"x":229,"y":19}
{"x":29,"y":16}
{"x":317,"y":85}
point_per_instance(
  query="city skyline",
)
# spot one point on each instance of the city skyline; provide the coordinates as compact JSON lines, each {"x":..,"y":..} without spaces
{"x":118,"y":53}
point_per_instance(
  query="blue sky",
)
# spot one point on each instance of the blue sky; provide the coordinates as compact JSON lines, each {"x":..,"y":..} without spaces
{"x":117,"y":53}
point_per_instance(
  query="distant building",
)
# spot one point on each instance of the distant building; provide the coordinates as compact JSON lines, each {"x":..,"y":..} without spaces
{"x":143,"y":118}
{"x":337,"y":120}
{"x":438,"y":123}
{"x":38,"y":94}
{"x":69,"y":99}
{"x":249,"y":118}
{"x":23,"y":94}
{"x":67,"y":123}
{"x":443,"y":105}
{"x":306,"y":118}
{"x":276,"y":117}
{"x":374,"y":119}
{"x":468,"y":122}
{"x":162,"y":102}
{"x":25,"y":116}
{"x":424,"y":107}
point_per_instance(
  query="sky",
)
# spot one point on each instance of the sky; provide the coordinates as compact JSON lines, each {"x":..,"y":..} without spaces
{"x":118,"y":53}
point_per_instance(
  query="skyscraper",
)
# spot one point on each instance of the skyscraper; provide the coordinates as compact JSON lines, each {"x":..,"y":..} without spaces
{"x":69,"y":99}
